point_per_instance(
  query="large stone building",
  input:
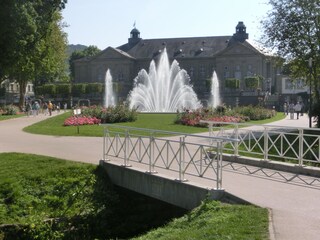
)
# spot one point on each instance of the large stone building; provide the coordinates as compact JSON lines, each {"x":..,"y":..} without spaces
{"x":231,"y":56}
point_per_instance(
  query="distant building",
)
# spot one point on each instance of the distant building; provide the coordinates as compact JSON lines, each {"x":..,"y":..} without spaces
{"x":230,"y":56}
{"x":11,"y":91}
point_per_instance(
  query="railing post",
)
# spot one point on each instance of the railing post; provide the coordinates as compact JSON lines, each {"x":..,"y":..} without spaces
{"x":210,"y":133}
{"x":167,"y":162}
{"x":236,"y":144}
{"x":300,"y":147}
{"x":219,"y":166}
{"x":181,"y":159}
{"x":105,"y":143}
{"x":139,"y":157}
{"x":117,"y":144}
{"x":151,"y":155}
{"x":126,"y":146}
{"x":265,"y":147}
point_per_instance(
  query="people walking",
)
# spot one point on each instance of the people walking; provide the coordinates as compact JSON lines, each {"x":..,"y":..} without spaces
{"x":291,"y":110}
{"x":50,"y":107}
{"x":285,"y":108}
{"x":297,"y":109}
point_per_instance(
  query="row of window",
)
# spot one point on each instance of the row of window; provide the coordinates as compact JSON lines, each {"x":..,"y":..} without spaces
{"x":204,"y":72}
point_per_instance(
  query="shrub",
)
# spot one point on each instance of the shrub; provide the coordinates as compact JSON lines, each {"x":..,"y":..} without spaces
{"x":192,"y":118}
{"x":253,"y":81}
{"x":94,"y":88}
{"x":254,"y":113}
{"x":222,"y":114}
{"x":49,"y":89}
{"x":63,"y":89}
{"x":10,"y":110}
{"x":98,"y":114}
{"x":232,"y":83}
{"x":78,"y":89}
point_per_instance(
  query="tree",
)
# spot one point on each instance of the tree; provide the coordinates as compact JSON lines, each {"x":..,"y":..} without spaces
{"x":87,"y":52}
{"x":25,"y":29}
{"x":292,"y":28}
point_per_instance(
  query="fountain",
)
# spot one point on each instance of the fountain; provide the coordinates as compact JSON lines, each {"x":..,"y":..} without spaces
{"x":215,"y":91}
{"x":164,"y":89}
{"x":109,"y":96}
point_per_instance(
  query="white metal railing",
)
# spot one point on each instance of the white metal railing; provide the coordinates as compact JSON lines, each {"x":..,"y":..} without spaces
{"x":184,"y":154}
{"x":270,"y":142}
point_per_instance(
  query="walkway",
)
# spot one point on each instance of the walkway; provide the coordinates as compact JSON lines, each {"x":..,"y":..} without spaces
{"x":295,"y":208}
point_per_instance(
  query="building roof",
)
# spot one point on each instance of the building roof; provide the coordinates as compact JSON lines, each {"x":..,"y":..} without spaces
{"x":195,"y":47}
{"x":188,"y":47}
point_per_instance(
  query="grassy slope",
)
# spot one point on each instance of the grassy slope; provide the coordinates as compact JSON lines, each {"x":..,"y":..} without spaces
{"x":34,"y":187}
{"x":214,"y":220}
{"x":54,"y":126}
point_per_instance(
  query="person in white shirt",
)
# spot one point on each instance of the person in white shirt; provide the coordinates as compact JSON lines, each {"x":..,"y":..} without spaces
{"x":297,"y":109}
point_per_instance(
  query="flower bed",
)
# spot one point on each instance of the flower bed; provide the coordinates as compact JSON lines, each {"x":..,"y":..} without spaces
{"x":77,"y":121}
{"x":97,"y":114}
{"x":221,"y":114}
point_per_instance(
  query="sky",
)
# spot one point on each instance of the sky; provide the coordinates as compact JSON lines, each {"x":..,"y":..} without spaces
{"x":105,"y":23}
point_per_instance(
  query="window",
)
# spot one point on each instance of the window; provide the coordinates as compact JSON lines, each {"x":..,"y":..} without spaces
{"x":120,"y":76}
{"x":191,"y":72}
{"x":202,"y":71}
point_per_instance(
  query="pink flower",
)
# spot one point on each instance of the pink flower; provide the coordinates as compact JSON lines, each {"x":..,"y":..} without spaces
{"x":77,"y":121}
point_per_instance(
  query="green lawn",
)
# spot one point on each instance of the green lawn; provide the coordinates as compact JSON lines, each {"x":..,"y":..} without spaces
{"x":50,"y":198}
{"x":214,"y":220}
{"x":6,"y":117}
{"x":54,"y":125}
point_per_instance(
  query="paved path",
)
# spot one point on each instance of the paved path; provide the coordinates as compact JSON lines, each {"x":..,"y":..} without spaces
{"x":295,"y":209}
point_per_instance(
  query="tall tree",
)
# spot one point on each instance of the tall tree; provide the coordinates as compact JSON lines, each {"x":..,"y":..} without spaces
{"x":292,"y":28}
{"x":25,"y":30}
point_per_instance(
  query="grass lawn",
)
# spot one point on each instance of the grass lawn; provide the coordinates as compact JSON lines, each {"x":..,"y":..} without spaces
{"x":6,"y":117}
{"x":54,"y":126}
{"x":214,"y":220}
{"x":85,"y":205}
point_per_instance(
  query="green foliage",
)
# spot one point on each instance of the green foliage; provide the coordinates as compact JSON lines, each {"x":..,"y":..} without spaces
{"x":221,"y":114}
{"x":254,"y":113}
{"x":31,"y":41}
{"x":10,"y":110}
{"x":78,"y":89}
{"x":2,"y":91}
{"x":114,"y":114}
{"x":214,"y":220}
{"x":48,"y":198}
{"x":49,"y":89}
{"x":63,"y":89}
{"x":292,"y":29}
{"x":253,"y":82}
{"x":232,"y":83}
{"x":94,"y":88}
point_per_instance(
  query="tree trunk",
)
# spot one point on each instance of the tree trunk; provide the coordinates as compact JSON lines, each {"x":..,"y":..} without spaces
{"x":22,"y":92}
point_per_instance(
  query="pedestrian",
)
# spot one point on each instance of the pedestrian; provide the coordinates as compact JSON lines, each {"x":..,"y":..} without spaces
{"x":58,"y":107}
{"x":285,"y":108}
{"x":65,"y":106}
{"x":302,"y":108}
{"x":291,"y":110}
{"x":50,"y":107}
{"x":297,"y":109}
{"x":45,"y":108}
{"x":29,"y":108}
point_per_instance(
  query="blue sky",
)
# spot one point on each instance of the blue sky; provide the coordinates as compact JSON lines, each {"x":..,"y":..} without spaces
{"x":106,"y":23}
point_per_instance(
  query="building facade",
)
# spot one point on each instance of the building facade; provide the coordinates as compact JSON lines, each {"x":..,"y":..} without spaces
{"x":11,"y":91}
{"x":231,"y":56}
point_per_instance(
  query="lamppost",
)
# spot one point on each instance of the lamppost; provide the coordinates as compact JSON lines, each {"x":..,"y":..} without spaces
{"x":310,"y":87}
